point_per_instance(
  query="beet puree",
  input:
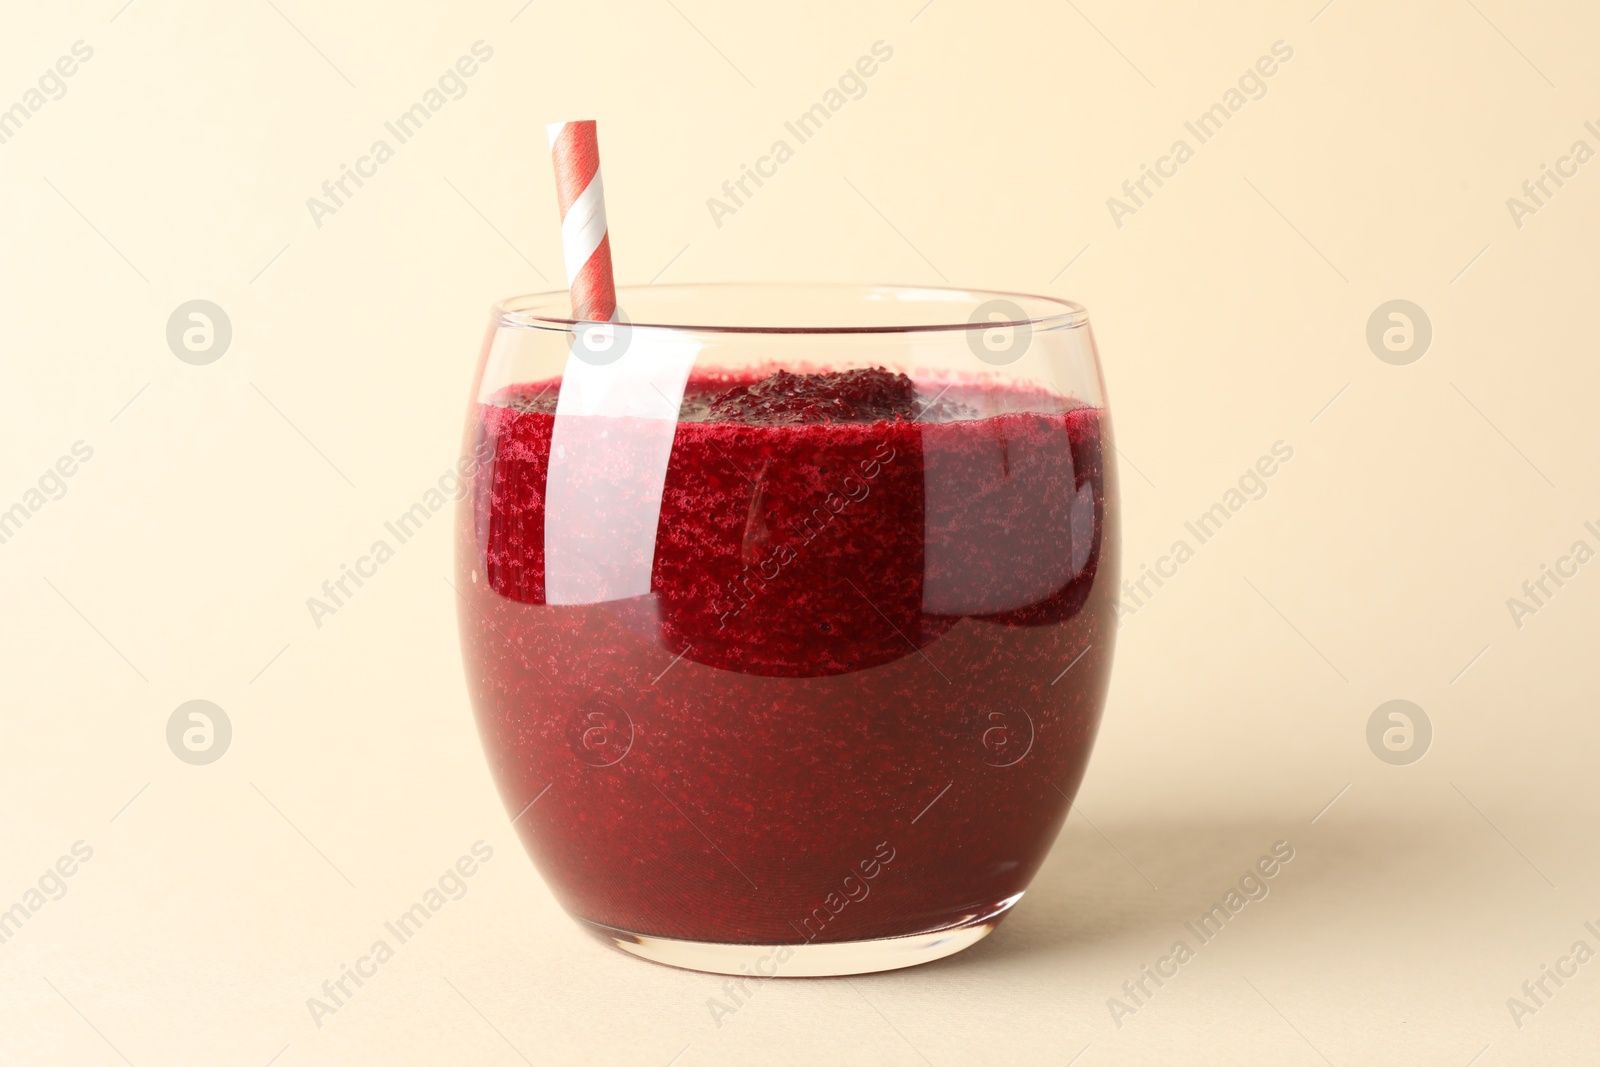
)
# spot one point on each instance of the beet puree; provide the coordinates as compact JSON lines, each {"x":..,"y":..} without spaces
{"x":844,"y":710}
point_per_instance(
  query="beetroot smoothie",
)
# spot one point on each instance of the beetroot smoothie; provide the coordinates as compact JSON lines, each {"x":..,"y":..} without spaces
{"x":862,"y":687}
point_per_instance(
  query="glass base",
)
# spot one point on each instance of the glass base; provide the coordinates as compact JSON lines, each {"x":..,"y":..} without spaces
{"x":806,"y":959}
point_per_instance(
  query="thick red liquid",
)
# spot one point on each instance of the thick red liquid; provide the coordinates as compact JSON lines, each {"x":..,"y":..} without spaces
{"x":862,"y":688}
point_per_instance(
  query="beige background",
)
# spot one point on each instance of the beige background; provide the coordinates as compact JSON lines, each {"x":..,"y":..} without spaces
{"x":1231,"y":313}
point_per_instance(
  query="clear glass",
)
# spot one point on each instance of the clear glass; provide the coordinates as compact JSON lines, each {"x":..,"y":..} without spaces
{"x":788,"y":611}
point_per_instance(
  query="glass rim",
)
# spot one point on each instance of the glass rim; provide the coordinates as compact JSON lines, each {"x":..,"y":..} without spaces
{"x":533,"y":309}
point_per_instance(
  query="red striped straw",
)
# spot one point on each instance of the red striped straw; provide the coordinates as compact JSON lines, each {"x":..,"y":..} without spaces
{"x":584,"y":241}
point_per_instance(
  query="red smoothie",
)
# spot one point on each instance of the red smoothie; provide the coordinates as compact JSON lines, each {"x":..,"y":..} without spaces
{"x":863,"y":686}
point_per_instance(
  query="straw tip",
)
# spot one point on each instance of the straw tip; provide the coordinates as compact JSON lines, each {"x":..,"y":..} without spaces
{"x":554,"y":129}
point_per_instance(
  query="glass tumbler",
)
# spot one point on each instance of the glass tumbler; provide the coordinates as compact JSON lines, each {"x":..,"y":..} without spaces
{"x":788,"y":610}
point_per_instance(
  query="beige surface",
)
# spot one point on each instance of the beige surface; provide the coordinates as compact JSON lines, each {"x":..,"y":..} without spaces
{"x":1230,"y":310}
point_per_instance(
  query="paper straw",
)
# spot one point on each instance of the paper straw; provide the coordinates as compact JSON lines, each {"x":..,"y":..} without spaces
{"x":585,"y":243}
